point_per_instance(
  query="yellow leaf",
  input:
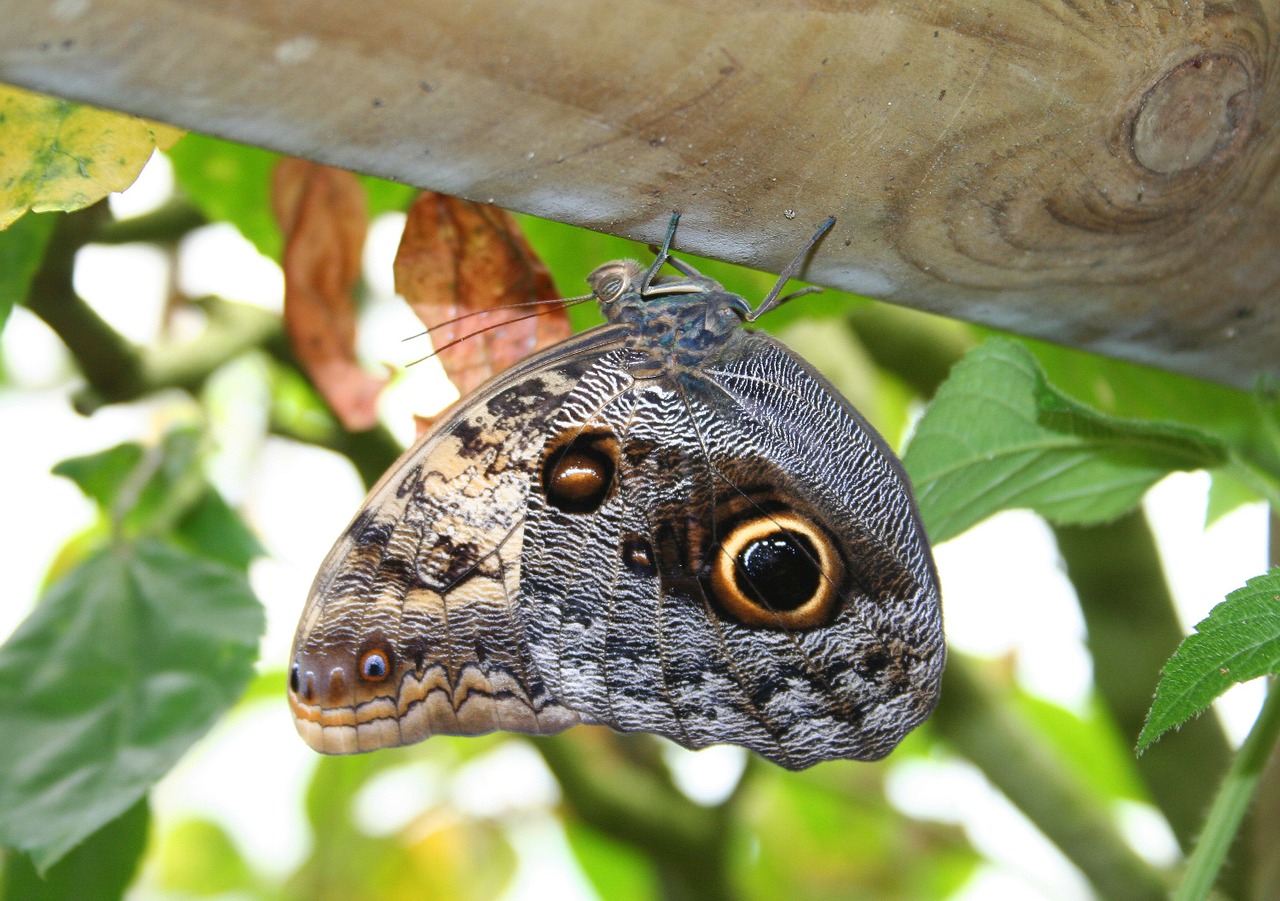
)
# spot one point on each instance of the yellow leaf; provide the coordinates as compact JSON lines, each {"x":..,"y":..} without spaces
{"x":59,"y":155}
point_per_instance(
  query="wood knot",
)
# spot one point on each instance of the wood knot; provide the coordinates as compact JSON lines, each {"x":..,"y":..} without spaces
{"x":1194,"y":115}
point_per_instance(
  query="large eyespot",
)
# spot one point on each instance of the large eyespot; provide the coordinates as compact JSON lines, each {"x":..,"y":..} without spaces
{"x":778,"y":571}
{"x":577,"y":472}
{"x":612,"y":280}
{"x":374,"y":665}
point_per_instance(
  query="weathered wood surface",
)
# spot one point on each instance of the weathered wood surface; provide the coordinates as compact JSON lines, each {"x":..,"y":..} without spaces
{"x":1095,"y":172}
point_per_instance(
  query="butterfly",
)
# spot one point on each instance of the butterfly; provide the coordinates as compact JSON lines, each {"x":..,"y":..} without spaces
{"x":669,"y":524}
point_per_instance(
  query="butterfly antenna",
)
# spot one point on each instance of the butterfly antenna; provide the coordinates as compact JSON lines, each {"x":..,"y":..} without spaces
{"x":488,"y":328}
{"x":793,"y":269}
{"x":663,"y":253}
{"x":557,"y":302}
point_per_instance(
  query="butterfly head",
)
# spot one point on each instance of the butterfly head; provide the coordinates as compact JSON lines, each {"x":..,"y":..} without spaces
{"x":677,"y":317}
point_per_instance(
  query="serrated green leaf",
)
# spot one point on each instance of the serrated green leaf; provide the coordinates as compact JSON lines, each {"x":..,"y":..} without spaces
{"x":124,"y":663}
{"x":100,"y":869}
{"x":22,"y":248}
{"x":1239,"y":640}
{"x":60,"y":155}
{"x":998,"y":436}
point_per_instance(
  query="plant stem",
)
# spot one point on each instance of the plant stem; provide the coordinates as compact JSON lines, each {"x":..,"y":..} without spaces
{"x":1232,"y":802}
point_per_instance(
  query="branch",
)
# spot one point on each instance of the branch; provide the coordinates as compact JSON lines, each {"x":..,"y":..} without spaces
{"x":1132,"y":629}
{"x":977,"y":721}
{"x":621,"y":797}
{"x":116,"y":371}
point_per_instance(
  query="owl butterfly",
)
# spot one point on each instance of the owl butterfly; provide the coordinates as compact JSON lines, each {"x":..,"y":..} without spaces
{"x":666,"y":524}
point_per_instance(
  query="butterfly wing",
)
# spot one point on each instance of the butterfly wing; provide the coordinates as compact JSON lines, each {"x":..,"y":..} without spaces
{"x":410,"y":628}
{"x":652,"y":611}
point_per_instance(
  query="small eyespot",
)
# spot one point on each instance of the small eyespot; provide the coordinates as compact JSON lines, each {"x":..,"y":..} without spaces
{"x":777,"y":571}
{"x":293,"y":678}
{"x":637,"y":556}
{"x":374,"y":666}
{"x":577,"y":472}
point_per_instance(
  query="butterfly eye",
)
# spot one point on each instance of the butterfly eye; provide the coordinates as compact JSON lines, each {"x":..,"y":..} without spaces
{"x":374,"y":666}
{"x":612,"y":280}
{"x":778,"y":571}
{"x":578,"y":475}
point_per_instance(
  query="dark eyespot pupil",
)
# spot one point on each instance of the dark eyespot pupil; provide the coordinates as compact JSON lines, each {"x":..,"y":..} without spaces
{"x":578,"y":478}
{"x":293,"y":678}
{"x":779,"y":571}
{"x":374,"y":666}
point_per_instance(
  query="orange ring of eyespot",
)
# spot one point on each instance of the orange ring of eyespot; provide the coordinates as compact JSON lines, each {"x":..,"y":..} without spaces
{"x":813,"y":612}
{"x":386,"y":665}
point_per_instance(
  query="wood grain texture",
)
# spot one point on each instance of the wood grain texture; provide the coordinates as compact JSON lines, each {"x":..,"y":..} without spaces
{"x":1097,"y":173}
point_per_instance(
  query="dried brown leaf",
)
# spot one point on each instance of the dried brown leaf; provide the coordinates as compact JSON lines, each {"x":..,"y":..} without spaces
{"x":458,"y":258}
{"x":321,"y":212}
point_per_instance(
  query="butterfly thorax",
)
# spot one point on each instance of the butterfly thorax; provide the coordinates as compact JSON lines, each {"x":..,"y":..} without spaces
{"x":680,"y":319}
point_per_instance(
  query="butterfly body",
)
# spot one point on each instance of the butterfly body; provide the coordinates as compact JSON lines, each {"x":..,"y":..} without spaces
{"x":667,"y":524}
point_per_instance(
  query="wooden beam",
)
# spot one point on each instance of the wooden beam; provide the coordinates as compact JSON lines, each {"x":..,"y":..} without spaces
{"x":1100,"y":174}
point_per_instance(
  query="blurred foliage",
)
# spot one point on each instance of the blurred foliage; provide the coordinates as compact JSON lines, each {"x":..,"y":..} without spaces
{"x":145,"y":635}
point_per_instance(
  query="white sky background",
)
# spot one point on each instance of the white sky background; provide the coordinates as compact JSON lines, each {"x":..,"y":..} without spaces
{"x":1004,"y":589}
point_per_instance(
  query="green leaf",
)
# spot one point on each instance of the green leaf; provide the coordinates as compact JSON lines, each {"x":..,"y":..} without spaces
{"x":21,"y":252}
{"x":1239,"y":640}
{"x":617,"y":871}
{"x":230,"y":183}
{"x":100,"y":869}
{"x":1134,"y":391}
{"x":998,"y":436}
{"x":163,"y":491}
{"x":1226,"y":495}
{"x":101,"y":475}
{"x":386,"y":196}
{"x":1089,"y":746}
{"x":211,"y":528}
{"x":829,"y":834}
{"x":124,"y":663}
